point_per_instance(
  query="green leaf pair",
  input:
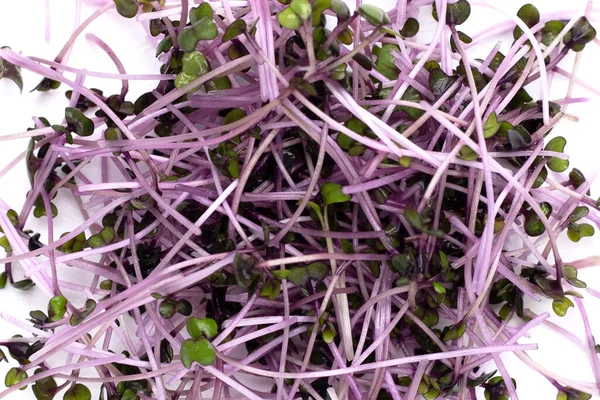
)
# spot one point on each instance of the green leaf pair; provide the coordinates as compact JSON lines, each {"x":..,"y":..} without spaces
{"x":39,"y":210}
{"x":105,"y":237}
{"x":78,"y":392}
{"x":127,"y":8}
{"x":374,"y":15}
{"x":332,"y":194}
{"x":455,"y":332}
{"x":169,"y":306}
{"x":292,"y":17}
{"x":576,"y":232}
{"x":14,"y":376}
{"x":348,"y":144}
{"x":203,"y":29}
{"x":339,"y":7}
{"x":74,"y":245}
{"x":271,"y":289}
{"x":561,"y":306}
{"x":78,"y":123}
{"x":570,"y":275}
{"x":301,"y":276}
{"x":580,"y":35}
{"x":198,"y":348}
{"x":456,"y":13}
{"x":44,"y":388}
{"x":528,"y":14}
{"x":200,"y":351}
{"x":439,"y":82}
{"x":236,"y":28}
{"x":558,"y":145}
{"x":193,"y":66}
{"x":533,"y":224}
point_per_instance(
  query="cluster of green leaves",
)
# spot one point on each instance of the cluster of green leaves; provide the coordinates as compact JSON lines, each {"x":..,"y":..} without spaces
{"x":44,"y":388}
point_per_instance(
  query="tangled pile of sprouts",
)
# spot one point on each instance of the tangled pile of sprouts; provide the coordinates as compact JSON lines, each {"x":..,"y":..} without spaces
{"x":310,"y":204}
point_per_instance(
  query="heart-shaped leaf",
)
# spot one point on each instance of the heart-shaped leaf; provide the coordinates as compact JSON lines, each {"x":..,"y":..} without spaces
{"x":550,"y":31}
{"x":44,"y":388}
{"x":184,"y":307}
{"x":557,"y":145}
{"x":199,"y":328}
{"x":271,"y":289}
{"x":577,"y":178}
{"x":200,"y":351}
{"x":519,"y":137}
{"x":374,"y":15}
{"x":282,"y":273}
{"x":439,"y":82}
{"x":236,"y":28}
{"x":579,"y":213}
{"x":5,"y":244}
{"x":455,"y":332}
{"x":456,"y":13}
{"x":386,"y":63}
{"x":576,"y":232}
{"x":204,"y":10}
{"x":204,"y":29}
{"x":167,"y":307}
{"x":541,"y":178}
{"x":57,"y":307}
{"x":580,"y":35}
{"x":127,"y":8}
{"x":317,"y":271}
{"x":340,"y":8}
{"x":289,"y":19}
{"x":561,"y":306}
{"x":332,"y":194}
{"x":570,"y":275}
{"x":413,"y":95}
{"x":528,"y":14}
{"x":491,"y":126}
{"x":46,"y":84}
{"x":463,"y":37}
{"x":318,"y":7}
{"x":14,"y":376}
{"x":302,"y":8}
{"x":298,"y":276}
{"x":78,"y":123}
{"x":23,"y":284}
{"x":410,"y":28}
{"x":568,"y":393}
{"x":130,"y":394}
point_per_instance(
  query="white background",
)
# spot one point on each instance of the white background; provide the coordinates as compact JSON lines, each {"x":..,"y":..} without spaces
{"x":23,"y":29}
